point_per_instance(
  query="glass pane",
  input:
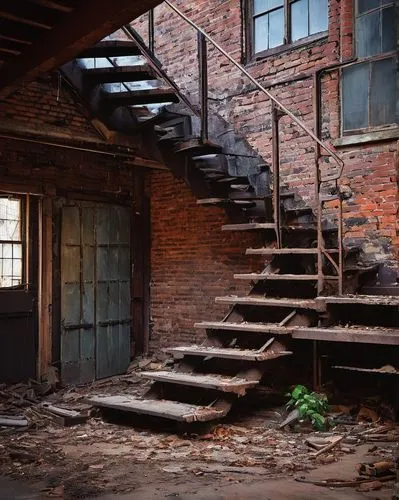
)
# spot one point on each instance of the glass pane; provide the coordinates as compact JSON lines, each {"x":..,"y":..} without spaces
{"x":383,"y":92}
{"x":365,"y":5}
{"x":261,"y":32}
{"x":266,"y":5}
{"x":10,"y":215}
{"x":355,"y":96}
{"x":276,"y":28}
{"x":368,"y":34}
{"x":388,"y":29}
{"x":299,"y":19}
{"x":318,"y":16}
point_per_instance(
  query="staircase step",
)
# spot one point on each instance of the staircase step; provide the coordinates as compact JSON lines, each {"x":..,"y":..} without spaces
{"x":119,"y":74}
{"x":223,"y":201}
{"x":369,"y":300}
{"x":136,"y":97}
{"x":298,"y":211}
{"x":356,"y":334}
{"x":227,"y":353}
{"x":271,"y":328}
{"x":250,"y":226}
{"x":172,"y":410}
{"x":253,"y":300}
{"x":286,"y":251}
{"x":216,"y":382}
{"x":282,"y":277}
{"x":111,"y":48}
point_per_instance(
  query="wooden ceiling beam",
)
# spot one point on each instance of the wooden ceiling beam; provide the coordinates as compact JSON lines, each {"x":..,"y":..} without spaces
{"x":80,"y":29}
{"x":24,"y":20}
{"x":15,"y":40}
{"x":53,"y":4}
{"x":10,"y":51}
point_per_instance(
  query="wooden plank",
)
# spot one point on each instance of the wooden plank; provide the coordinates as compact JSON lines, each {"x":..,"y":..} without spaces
{"x":272,"y":302}
{"x":119,"y":74}
{"x":369,"y":300}
{"x":111,"y":48}
{"x":286,"y":251}
{"x":18,"y":18}
{"x":365,"y":335}
{"x":15,"y":40}
{"x":172,"y":410}
{"x":248,"y":227}
{"x":276,"y":277}
{"x":378,"y":371}
{"x":236,"y":385}
{"x":64,"y":6}
{"x":271,"y":328}
{"x":78,"y":30}
{"x":136,"y":97}
{"x":227,"y":353}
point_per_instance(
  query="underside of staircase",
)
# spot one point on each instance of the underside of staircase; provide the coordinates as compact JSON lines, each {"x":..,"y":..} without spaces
{"x":298,"y":295}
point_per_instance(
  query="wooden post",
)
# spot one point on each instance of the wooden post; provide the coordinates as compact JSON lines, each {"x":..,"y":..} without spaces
{"x":45,"y":288}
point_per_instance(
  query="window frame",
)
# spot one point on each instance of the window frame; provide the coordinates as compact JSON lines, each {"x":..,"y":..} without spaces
{"x":22,"y":241}
{"x":288,"y":44}
{"x":393,"y":54}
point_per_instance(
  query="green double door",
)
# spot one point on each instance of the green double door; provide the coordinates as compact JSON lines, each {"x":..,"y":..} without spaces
{"x":96,"y":276}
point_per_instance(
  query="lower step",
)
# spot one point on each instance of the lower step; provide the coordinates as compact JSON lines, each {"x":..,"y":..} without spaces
{"x":226,"y":353}
{"x":253,"y":300}
{"x":271,"y":328}
{"x":236,"y":385}
{"x":355,"y":334}
{"x":249,"y":226}
{"x":173,"y":410}
{"x":281,"y":277}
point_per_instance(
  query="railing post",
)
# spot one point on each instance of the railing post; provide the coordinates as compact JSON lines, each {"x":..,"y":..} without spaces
{"x":203,"y":84}
{"x":276,"y":172}
{"x":151,"y":39}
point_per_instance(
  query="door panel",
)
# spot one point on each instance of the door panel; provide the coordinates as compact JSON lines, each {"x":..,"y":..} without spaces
{"x":96,"y":284}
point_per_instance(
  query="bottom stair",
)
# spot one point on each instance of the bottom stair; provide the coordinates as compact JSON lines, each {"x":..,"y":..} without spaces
{"x":172,"y":410}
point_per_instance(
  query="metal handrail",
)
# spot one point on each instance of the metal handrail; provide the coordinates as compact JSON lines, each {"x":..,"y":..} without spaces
{"x":308,"y":131}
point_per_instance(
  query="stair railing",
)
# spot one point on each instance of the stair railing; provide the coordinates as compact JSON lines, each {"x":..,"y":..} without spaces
{"x":278,"y":110}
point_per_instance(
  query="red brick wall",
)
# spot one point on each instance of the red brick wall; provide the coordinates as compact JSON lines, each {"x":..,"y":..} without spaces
{"x":192,"y":262}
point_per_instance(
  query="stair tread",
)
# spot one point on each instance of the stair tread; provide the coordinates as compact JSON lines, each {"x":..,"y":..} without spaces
{"x":208,"y":381}
{"x":359,"y":334}
{"x":120,"y":74}
{"x":272,"y":302}
{"x":272,"y":328}
{"x":227,"y":353}
{"x":286,"y":251}
{"x":173,"y":410}
{"x":111,"y":48}
{"x":248,"y":226}
{"x":141,"y":96}
{"x":223,"y":201}
{"x":272,"y":276}
{"x":372,"y":300}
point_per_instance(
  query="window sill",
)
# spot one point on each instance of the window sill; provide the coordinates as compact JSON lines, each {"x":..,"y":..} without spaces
{"x":381,"y":135}
{"x":256,"y":58}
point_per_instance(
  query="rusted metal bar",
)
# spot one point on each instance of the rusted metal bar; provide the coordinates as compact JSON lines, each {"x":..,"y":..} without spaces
{"x":260,"y":87}
{"x":317,"y":185}
{"x":156,"y":67}
{"x":276,"y":172}
{"x":203,"y":84}
{"x":340,"y":249}
{"x":151,"y":30}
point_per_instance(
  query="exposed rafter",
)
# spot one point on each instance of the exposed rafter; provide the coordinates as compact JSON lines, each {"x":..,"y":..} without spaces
{"x":75,"y":31}
{"x":55,"y":5}
{"x":24,"y":20}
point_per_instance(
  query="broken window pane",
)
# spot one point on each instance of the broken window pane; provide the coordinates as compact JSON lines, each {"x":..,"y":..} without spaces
{"x":368,"y":34}
{"x":299,"y":19}
{"x":276,"y":28}
{"x":355,"y":96}
{"x":383,"y":92}
{"x":318,"y":16}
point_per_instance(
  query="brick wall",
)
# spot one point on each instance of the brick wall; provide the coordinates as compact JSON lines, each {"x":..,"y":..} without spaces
{"x":192,"y":262}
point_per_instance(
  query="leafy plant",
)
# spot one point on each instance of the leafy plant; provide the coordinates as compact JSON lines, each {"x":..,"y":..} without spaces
{"x":311,"y":406}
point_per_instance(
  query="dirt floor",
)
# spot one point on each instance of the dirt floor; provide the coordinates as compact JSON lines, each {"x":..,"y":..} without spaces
{"x":245,"y":457}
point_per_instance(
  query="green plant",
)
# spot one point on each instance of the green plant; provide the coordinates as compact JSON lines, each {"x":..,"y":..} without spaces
{"x":310,"y":405}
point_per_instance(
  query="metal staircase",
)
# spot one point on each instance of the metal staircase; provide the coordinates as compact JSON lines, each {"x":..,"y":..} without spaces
{"x":126,"y":88}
